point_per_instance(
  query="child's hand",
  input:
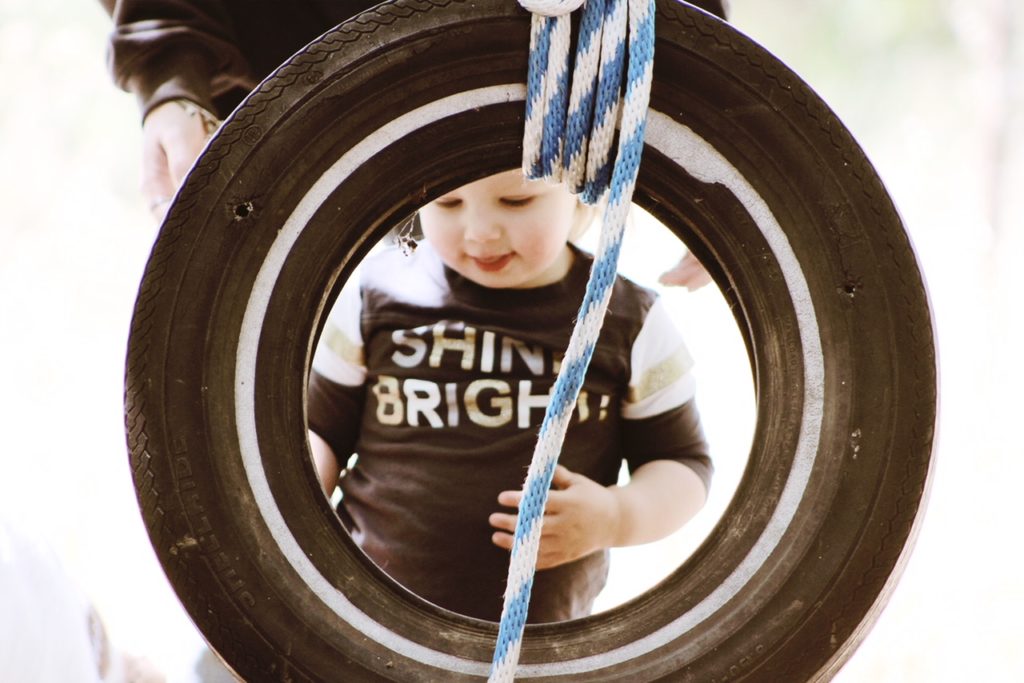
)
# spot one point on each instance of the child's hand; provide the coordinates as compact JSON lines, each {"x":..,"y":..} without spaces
{"x":581,"y":516}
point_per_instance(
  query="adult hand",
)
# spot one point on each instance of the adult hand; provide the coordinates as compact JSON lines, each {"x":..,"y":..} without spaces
{"x":581,"y":516}
{"x":141,"y":670}
{"x":687,"y":273}
{"x":173,"y":135}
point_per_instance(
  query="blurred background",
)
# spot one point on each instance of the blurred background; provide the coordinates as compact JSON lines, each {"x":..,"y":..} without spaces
{"x":932,"y":89}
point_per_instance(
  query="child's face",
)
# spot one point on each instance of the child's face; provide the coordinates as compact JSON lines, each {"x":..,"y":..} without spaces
{"x":504,"y":231}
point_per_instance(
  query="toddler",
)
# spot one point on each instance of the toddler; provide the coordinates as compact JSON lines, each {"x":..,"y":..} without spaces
{"x":435,"y":369}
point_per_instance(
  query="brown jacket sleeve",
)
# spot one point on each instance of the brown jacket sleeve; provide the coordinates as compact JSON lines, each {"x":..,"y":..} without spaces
{"x":167,"y":49}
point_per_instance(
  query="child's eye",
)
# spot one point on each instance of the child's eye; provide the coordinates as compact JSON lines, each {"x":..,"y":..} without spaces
{"x":449,"y":203}
{"x":516,"y":201}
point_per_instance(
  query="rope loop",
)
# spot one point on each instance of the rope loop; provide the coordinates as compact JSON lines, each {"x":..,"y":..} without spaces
{"x":568,"y":136}
{"x":551,"y":8}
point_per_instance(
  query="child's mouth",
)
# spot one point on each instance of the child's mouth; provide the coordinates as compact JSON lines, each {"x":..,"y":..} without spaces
{"x":492,"y":264}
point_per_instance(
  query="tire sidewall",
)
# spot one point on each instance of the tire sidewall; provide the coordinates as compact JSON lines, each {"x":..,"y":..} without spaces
{"x":254,"y":550}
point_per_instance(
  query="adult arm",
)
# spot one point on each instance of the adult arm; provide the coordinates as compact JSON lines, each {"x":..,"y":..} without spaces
{"x":193,"y":49}
{"x":177,"y":57}
{"x":163,"y":50}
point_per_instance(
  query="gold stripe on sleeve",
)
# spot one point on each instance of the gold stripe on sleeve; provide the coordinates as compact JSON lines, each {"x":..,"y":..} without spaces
{"x":343,"y":347}
{"x":661,"y":375}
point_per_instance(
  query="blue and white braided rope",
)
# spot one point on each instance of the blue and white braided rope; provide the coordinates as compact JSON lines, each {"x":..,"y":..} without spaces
{"x":553,"y":148}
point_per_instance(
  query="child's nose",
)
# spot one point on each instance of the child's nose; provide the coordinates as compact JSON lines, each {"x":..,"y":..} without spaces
{"x":481,"y":226}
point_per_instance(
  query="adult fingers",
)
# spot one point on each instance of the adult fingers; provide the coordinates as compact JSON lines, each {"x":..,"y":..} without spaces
{"x":157,"y":186}
{"x":173,"y":135}
{"x":182,"y":147}
{"x":688,"y":273}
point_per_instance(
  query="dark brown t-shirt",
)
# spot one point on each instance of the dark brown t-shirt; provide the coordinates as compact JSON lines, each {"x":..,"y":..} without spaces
{"x":456,"y":382}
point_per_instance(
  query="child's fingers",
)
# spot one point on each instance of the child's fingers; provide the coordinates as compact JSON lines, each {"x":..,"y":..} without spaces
{"x":562,"y":478}
{"x":510,"y":499}
{"x":503,"y":521}
{"x":502,"y":540}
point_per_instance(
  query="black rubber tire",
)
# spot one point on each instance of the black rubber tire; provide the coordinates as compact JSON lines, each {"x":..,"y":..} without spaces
{"x":743,"y":161}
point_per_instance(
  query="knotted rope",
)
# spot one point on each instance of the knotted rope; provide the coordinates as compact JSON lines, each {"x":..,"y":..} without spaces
{"x":568,"y":137}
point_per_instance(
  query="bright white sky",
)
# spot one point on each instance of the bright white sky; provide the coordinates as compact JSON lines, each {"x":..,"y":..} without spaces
{"x":74,"y":237}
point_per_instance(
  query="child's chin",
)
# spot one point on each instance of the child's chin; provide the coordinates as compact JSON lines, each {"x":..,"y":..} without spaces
{"x":492,"y":281}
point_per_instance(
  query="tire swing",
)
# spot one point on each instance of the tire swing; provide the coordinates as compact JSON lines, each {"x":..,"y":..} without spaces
{"x":415,"y":98}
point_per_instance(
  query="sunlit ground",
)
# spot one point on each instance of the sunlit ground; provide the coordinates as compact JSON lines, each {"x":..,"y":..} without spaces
{"x":74,"y":237}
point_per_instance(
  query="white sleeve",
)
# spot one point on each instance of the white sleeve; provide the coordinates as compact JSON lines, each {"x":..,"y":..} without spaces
{"x":661,"y":376}
{"x":339,"y":355}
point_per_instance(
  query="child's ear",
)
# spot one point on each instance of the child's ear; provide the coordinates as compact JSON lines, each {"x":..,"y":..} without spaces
{"x":585,"y":216}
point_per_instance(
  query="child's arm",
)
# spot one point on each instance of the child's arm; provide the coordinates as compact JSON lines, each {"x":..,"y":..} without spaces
{"x":325,"y":462}
{"x":582,"y":516}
